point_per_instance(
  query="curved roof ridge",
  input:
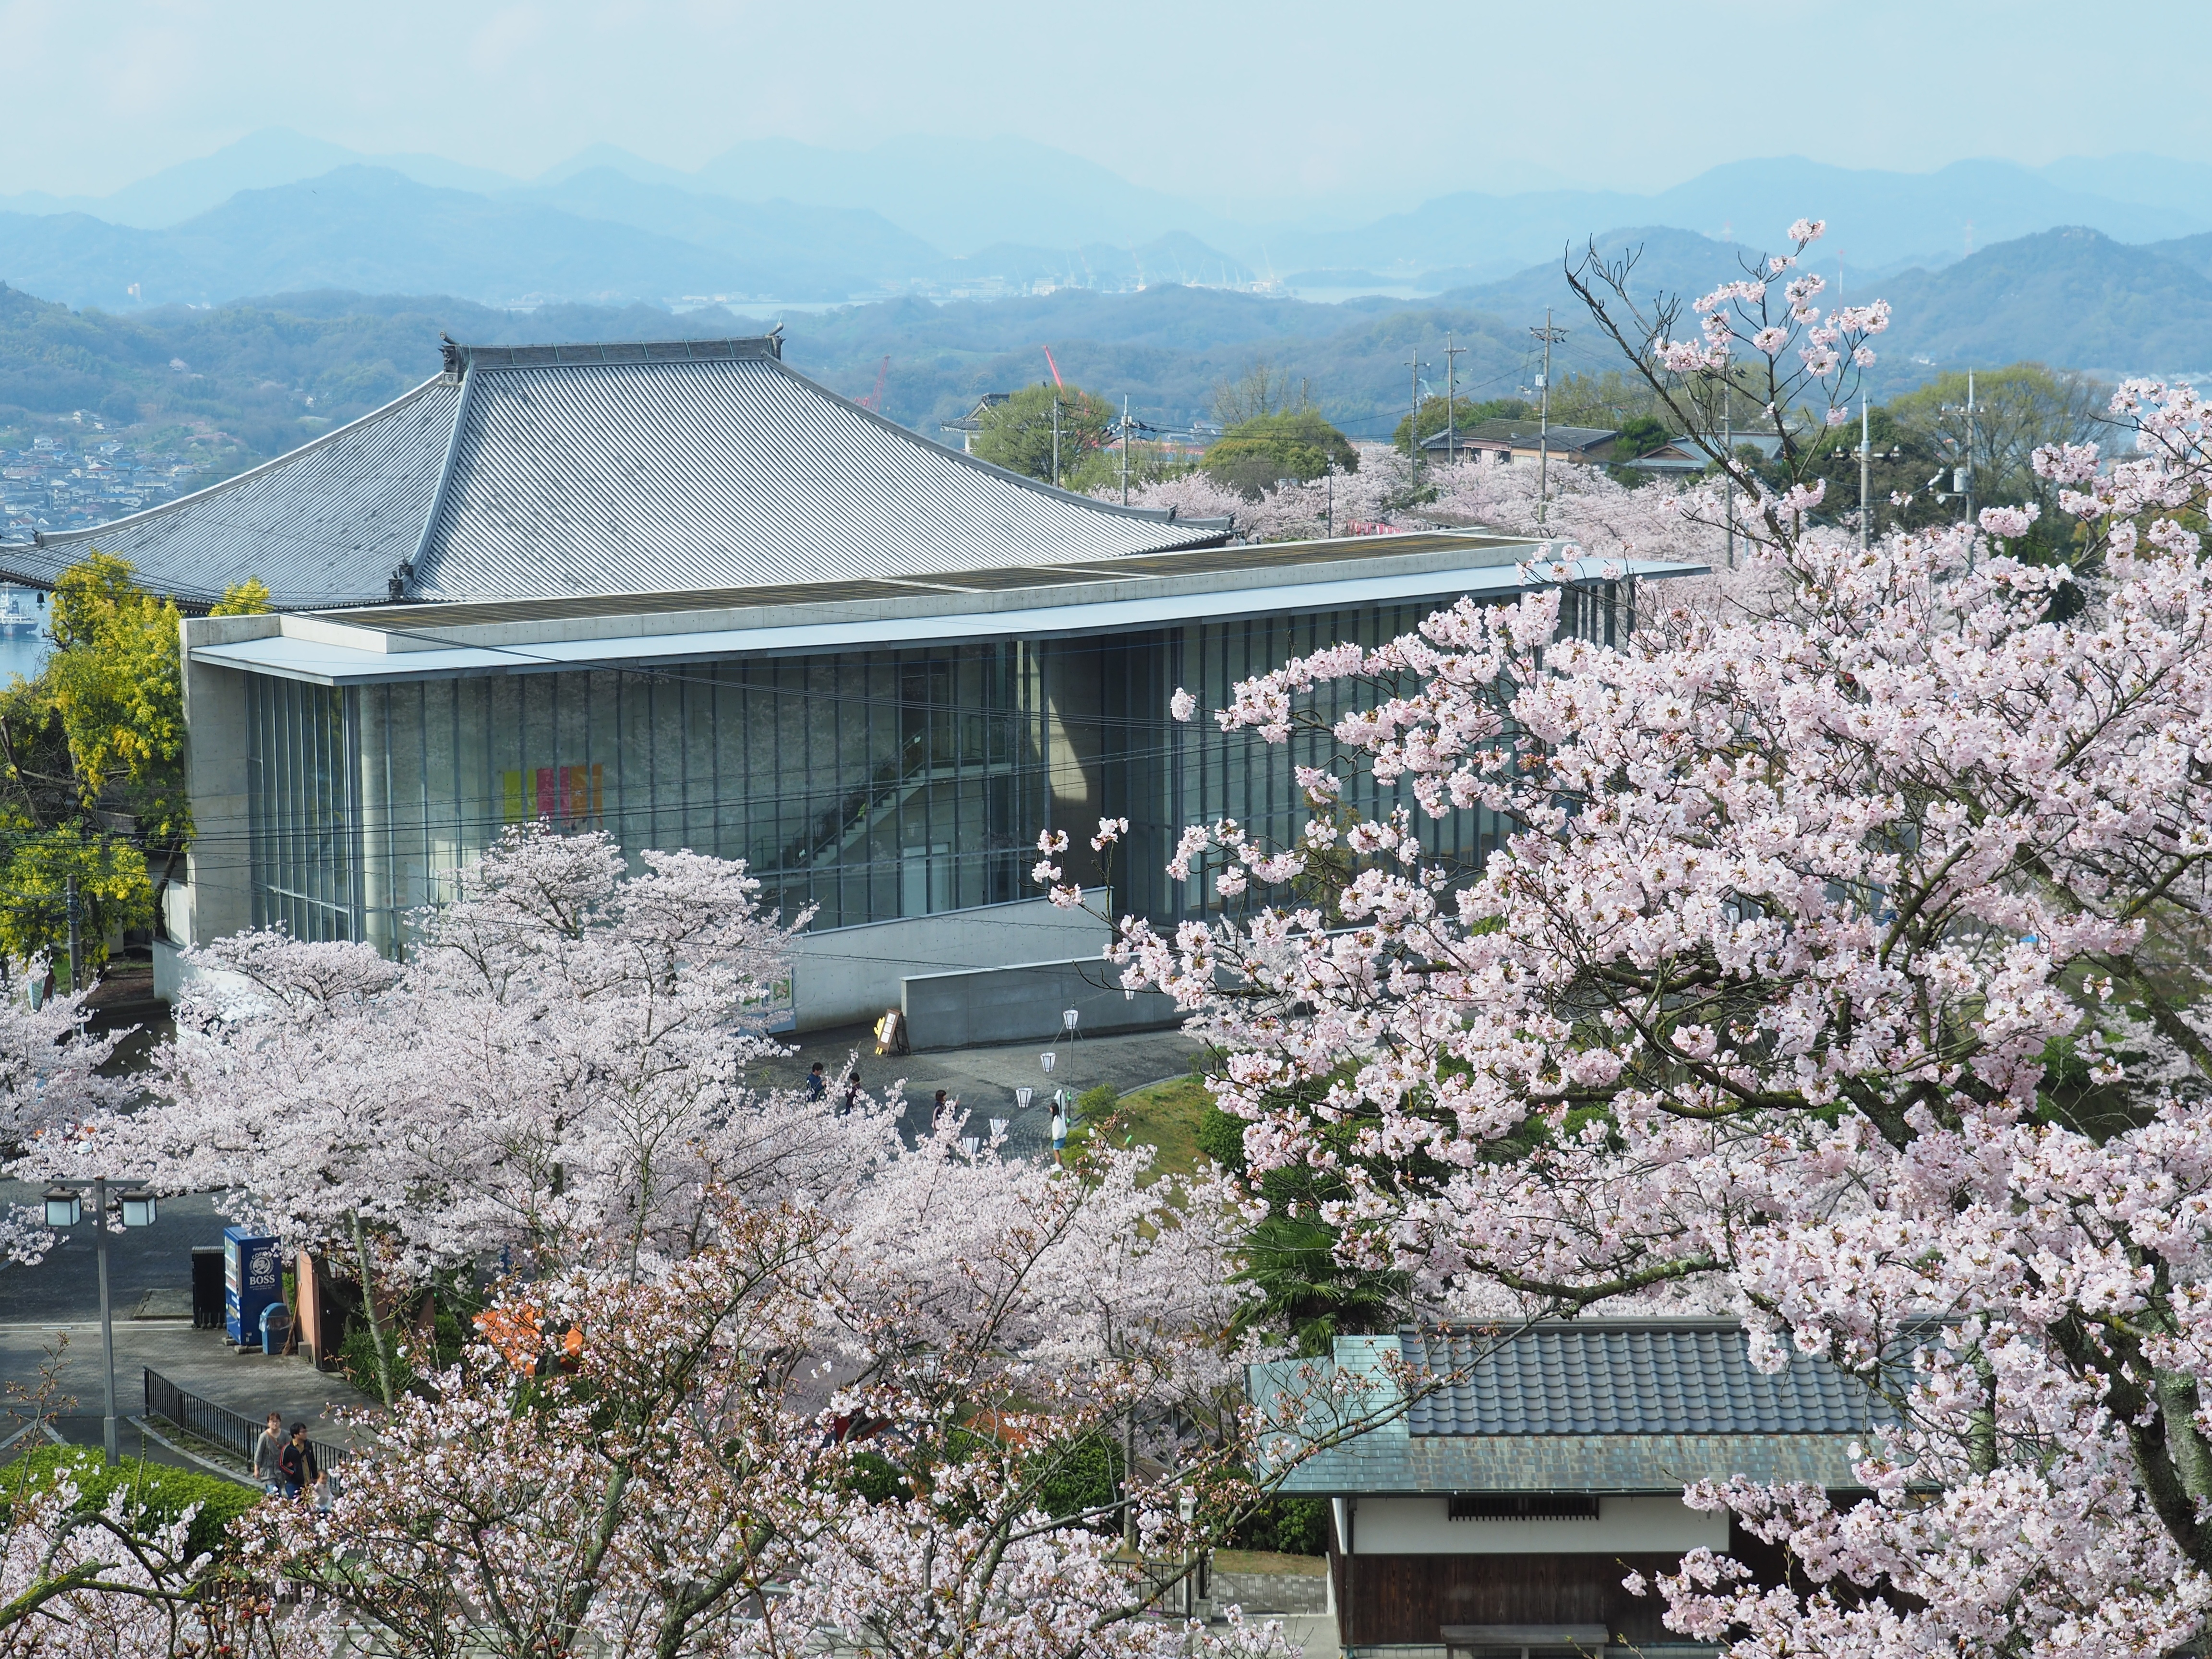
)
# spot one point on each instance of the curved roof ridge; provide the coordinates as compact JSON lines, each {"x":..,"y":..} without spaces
{"x":252,"y":474}
{"x":1142,"y":514}
{"x":557,"y":472}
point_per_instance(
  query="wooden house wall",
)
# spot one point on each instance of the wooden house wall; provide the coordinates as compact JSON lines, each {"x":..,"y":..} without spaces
{"x":1407,"y":1598}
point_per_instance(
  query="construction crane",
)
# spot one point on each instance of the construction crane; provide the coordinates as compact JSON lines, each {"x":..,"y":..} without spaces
{"x":874,"y":403}
{"x":1055,"y":368}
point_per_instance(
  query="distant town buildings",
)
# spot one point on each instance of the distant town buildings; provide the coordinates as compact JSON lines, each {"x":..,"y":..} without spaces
{"x":53,"y":483}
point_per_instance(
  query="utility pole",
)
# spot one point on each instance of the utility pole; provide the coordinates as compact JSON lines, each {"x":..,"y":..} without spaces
{"x":1451,"y":399}
{"x":99,"y":1238}
{"x":1331,"y":528}
{"x":1866,"y":463}
{"x":1967,"y":489}
{"x":1055,"y":440}
{"x":1728,"y":449}
{"x":1548,"y":334}
{"x":1972,"y":434}
{"x":1125,"y":449}
{"x":75,"y":934}
{"x":1414,"y":365}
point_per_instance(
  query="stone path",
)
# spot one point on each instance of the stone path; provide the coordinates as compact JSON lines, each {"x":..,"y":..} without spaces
{"x":199,"y":1362}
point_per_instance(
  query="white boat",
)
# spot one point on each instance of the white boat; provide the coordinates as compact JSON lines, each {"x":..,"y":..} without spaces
{"x":15,"y":622}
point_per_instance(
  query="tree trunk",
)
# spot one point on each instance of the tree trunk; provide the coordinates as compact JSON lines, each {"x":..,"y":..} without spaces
{"x":368,"y":1305}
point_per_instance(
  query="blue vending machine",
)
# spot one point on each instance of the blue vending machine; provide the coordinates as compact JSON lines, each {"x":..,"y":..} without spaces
{"x":252,"y":1278}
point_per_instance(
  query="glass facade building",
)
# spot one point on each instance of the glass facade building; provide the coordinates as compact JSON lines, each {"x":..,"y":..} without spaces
{"x":866,"y":786}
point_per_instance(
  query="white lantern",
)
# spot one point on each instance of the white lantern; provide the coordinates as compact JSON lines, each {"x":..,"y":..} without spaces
{"x":1046,"y":1059}
{"x":1022,"y":1096}
{"x":1068,"y":1017}
{"x":999,"y":1126}
{"x":63,"y":1207}
{"x":139,"y":1208}
{"x":970,"y":1144}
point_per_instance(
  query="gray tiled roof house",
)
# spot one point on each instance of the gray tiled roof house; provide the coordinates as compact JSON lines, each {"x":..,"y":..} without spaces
{"x":1518,"y":435}
{"x":545,"y":471}
{"x":1586,"y":1405}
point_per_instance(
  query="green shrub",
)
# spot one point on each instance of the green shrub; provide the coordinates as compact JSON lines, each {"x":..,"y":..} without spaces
{"x":1221,"y":1137}
{"x":1096,"y":1103}
{"x":356,"y":1354}
{"x":1288,"y":1526}
{"x":158,"y":1492}
{"x":1081,"y":1476}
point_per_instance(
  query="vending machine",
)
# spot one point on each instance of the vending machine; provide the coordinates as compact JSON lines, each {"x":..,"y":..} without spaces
{"x":252,"y":1278}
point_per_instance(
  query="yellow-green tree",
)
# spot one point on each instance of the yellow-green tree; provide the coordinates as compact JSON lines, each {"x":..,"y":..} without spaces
{"x":116,"y":681}
{"x":247,"y":599}
{"x":113,"y":891}
{"x":92,"y":778}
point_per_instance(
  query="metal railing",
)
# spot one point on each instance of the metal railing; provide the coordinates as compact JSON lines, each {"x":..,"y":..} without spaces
{"x":219,"y":1424}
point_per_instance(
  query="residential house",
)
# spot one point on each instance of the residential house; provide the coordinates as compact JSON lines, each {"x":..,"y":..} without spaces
{"x":1537,"y":1467}
{"x":1523,"y":438}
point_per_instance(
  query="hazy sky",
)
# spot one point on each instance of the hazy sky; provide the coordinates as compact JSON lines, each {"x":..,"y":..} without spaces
{"x":1238,"y":104}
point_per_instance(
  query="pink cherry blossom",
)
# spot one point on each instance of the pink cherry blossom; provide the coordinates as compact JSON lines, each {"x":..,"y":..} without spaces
{"x":1843,"y":971}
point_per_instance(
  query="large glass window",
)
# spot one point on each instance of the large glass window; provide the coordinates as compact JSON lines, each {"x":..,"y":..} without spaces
{"x":867,"y":787}
{"x":1172,"y":774}
{"x":303,"y":810}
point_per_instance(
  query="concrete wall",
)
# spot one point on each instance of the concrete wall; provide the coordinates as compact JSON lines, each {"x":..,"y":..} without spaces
{"x":1423,"y":1526}
{"x":1023,"y":1003}
{"x":852,"y":973}
{"x":173,"y":974}
{"x":218,"y":898}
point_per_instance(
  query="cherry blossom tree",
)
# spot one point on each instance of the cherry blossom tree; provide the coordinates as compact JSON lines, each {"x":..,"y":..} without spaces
{"x":1845,"y":971}
{"x":50,"y":1075}
{"x":559,"y":1065}
{"x":110,"y":1582}
{"x":563,"y":1055}
{"x":1351,"y":503}
{"x":828,"y":1424}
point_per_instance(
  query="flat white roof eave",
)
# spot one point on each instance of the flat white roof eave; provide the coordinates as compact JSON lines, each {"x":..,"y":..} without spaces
{"x":325,"y":664}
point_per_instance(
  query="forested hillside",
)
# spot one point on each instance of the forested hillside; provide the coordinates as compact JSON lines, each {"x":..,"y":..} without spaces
{"x":228,"y":385}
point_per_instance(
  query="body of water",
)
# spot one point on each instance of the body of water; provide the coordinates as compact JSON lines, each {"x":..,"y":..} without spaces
{"x":22,"y":653}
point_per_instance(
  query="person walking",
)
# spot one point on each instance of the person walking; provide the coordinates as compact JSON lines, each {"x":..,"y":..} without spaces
{"x":941,"y":1110}
{"x":296,"y":1462}
{"x":852,"y":1096}
{"x":266,"y":1451}
{"x":817,"y":1082}
{"x":1059,"y":1134}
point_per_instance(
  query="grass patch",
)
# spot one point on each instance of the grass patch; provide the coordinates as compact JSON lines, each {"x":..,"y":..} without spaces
{"x":1163,"y":1116}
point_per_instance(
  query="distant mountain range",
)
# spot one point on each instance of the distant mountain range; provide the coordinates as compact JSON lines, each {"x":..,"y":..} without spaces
{"x":263,"y":375}
{"x":779,"y":220}
{"x":596,"y":236}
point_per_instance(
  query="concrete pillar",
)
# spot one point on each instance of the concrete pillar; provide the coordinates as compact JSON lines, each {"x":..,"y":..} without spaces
{"x":218,"y":870}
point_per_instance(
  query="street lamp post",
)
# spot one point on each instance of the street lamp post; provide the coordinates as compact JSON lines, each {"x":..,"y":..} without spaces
{"x":64,"y":1209}
{"x":1186,"y":1512}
